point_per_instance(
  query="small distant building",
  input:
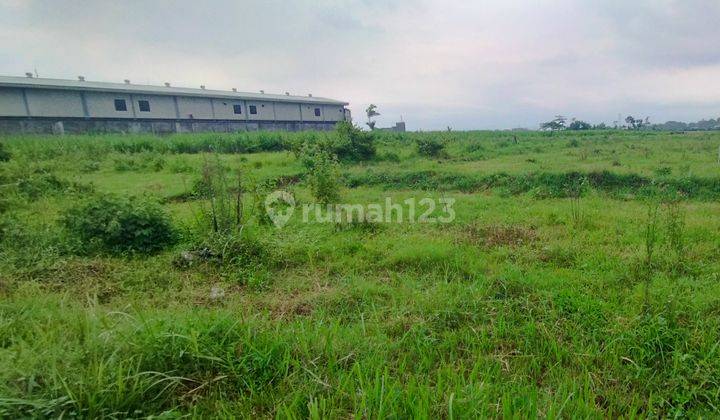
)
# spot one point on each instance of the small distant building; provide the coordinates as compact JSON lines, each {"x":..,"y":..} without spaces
{"x":38,"y":105}
{"x":399,"y":127}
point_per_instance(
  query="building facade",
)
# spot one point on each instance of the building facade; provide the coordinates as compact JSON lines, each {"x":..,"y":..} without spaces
{"x":37,"y":105}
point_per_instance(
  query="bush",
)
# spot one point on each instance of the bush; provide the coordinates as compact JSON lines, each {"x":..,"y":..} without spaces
{"x":4,"y":226}
{"x":89,"y":167}
{"x":353,"y":144}
{"x":390,"y":157}
{"x":4,"y":154}
{"x":240,"y":143}
{"x":120,"y":224}
{"x":239,"y":250}
{"x":124,"y":164}
{"x":429,"y":147}
{"x":578,"y":125}
{"x":28,"y":246}
{"x":35,"y":186}
{"x":179,"y":166}
{"x":322,"y":173}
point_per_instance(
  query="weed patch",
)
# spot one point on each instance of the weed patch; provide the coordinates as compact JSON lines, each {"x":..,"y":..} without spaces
{"x":4,"y":153}
{"x":544,"y":184}
{"x":493,"y":236}
{"x":119,"y":224}
{"x":429,"y":147}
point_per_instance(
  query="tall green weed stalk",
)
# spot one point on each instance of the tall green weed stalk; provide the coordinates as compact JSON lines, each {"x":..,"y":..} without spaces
{"x":675,"y":229}
{"x":224,"y":195}
{"x":651,"y":237}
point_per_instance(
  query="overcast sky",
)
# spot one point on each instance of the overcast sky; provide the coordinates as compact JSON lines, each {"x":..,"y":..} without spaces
{"x":464,"y":64}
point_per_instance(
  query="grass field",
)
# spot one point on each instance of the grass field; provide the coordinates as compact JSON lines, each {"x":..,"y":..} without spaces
{"x":579,"y":278}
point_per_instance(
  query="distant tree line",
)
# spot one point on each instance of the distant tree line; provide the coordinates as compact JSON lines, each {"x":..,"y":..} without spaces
{"x":630,"y":123}
{"x":561,"y":123}
{"x":702,"y":125}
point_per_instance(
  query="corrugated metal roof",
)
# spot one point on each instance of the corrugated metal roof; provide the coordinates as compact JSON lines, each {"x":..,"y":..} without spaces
{"x":36,"y":82}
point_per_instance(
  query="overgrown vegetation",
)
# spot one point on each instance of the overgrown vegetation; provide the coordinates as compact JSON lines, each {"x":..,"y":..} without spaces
{"x":141,"y":276}
{"x":223,"y":196}
{"x":322,"y":173}
{"x":429,"y":147}
{"x":545,"y":185}
{"x":119,"y":224}
{"x":4,"y":154}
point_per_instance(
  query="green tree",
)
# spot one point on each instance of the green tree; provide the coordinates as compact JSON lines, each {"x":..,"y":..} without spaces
{"x":558,"y":123}
{"x":579,"y":125}
{"x":371,"y":112}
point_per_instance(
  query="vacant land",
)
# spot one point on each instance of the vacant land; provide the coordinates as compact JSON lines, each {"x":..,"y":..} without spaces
{"x":580,"y":277}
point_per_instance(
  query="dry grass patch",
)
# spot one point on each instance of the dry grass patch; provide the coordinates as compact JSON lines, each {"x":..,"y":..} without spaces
{"x":500,"y":235}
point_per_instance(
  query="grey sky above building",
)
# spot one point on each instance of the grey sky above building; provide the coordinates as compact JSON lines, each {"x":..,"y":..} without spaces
{"x":468,"y":65}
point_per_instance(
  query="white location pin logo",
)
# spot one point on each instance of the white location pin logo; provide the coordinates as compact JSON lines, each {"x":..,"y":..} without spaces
{"x":279,"y":198}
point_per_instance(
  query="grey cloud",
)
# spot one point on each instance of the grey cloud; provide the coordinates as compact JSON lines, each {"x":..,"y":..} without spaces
{"x":488,"y":64}
{"x":678,"y":33}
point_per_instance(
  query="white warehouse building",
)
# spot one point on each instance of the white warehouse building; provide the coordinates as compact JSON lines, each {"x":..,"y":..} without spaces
{"x":38,"y":105}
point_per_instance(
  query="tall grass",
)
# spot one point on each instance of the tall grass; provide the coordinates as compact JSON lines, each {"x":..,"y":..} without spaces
{"x":544,"y":184}
{"x":512,"y":310}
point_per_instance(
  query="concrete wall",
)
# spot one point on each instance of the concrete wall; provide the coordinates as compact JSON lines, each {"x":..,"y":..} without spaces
{"x":287,"y":111}
{"x":102,"y":105}
{"x":54,"y":103}
{"x":160,"y":106}
{"x":12,"y":103}
{"x":224,"y":109}
{"x":333,"y":112}
{"x":81,"y":125}
{"x":264,"y":111}
{"x":195,"y":108}
{"x":308,"y":112}
{"x":69,"y":106}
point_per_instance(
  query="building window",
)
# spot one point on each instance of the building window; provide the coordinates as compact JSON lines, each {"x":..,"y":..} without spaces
{"x":144,"y":106}
{"x":237,"y":109}
{"x":253,"y":109}
{"x":317,"y":112}
{"x":120,"y":105}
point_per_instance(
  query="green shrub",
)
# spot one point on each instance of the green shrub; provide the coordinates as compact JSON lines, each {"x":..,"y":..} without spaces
{"x":352,"y":144}
{"x":124,"y":164}
{"x":390,"y":157}
{"x":156,"y":163}
{"x":474,"y":147}
{"x":4,"y":154}
{"x":119,"y":224}
{"x":237,"y":250}
{"x":240,"y":143}
{"x":546,"y":184}
{"x":223,"y":194}
{"x":89,"y":167}
{"x":28,"y":246}
{"x":179,"y":166}
{"x":4,"y":226}
{"x":429,"y":147}
{"x":322,"y":173}
{"x":663,"y":171}
{"x":35,"y":186}
{"x":134,"y":146}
